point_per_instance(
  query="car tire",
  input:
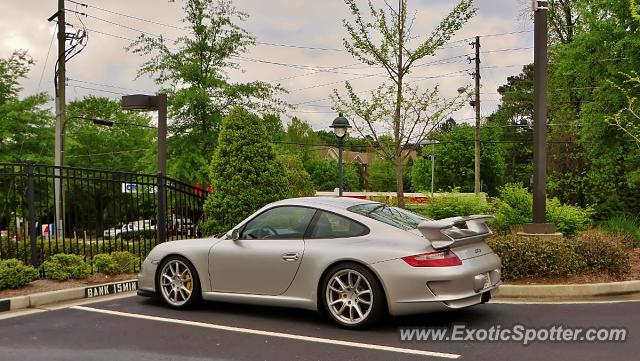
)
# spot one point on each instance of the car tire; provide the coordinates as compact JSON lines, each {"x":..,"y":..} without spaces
{"x":352,"y":296}
{"x":178,"y":283}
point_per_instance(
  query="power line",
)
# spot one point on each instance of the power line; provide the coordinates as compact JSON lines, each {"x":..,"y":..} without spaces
{"x":110,"y":86}
{"x":44,"y":67}
{"x":126,"y":15}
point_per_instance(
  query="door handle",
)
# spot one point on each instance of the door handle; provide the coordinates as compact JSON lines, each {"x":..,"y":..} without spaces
{"x":290,"y":257}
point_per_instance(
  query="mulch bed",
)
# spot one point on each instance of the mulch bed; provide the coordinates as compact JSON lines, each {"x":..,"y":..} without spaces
{"x":50,"y":285}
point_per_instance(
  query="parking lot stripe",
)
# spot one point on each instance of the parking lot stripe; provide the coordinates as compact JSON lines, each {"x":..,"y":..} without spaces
{"x":273,"y":334}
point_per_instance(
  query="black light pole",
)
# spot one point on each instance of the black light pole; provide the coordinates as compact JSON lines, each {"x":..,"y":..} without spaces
{"x":147,"y":103}
{"x":340,"y":126}
{"x":541,"y":9}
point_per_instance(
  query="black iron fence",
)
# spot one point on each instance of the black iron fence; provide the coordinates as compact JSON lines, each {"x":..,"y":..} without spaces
{"x":46,"y":210}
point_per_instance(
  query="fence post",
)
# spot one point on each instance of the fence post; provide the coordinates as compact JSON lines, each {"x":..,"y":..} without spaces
{"x":162,"y":210}
{"x":35,"y":254}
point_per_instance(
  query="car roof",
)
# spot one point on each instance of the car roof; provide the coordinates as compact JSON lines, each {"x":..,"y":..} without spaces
{"x":336,"y":202}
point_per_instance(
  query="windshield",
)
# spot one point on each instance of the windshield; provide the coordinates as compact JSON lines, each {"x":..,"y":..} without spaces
{"x":394,"y":216}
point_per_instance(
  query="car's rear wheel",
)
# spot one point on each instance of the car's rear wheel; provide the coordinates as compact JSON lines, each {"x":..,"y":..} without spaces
{"x":178,"y":283}
{"x":353,"y":297}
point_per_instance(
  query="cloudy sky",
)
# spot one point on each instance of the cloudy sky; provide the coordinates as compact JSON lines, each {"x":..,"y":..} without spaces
{"x":283,"y":29}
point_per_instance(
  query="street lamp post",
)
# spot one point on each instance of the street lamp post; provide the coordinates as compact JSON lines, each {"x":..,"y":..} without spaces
{"x":340,"y":126}
{"x":148,"y":103}
{"x":433,"y":160}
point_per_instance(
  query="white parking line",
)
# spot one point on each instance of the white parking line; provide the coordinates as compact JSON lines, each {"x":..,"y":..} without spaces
{"x":273,"y":334}
{"x":560,"y":302}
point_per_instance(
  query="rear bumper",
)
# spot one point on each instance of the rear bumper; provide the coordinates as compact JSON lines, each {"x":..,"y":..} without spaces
{"x":146,"y":279}
{"x":412,"y":290}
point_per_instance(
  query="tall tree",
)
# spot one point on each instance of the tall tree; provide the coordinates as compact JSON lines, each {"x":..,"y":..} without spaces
{"x":128,"y":145}
{"x":26,"y":128}
{"x":245,"y":172}
{"x":194,"y":71}
{"x":396,"y":107}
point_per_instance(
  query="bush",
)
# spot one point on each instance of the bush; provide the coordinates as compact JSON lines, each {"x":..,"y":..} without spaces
{"x":14,"y":274}
{"x":602,"y":252}
{"x":524,"y":257}
{"x":627,"y":225}
{"x":452,"y":206}
{"x":104,"y":263}
{"x":62,"y":267}
{"x":115,"y":263}
{"x":531,"y":257}
{"x":245,"y":173}
{"x":515,"y":207}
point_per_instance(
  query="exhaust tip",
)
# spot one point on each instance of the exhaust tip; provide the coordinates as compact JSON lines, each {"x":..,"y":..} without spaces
{"x":486,"y":297}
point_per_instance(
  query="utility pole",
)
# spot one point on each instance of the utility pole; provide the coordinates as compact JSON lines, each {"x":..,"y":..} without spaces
{"x":476,"y":104}
{"x":60,"y":115}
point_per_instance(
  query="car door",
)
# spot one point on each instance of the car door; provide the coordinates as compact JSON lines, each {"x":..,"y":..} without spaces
{"x":266,"y":256}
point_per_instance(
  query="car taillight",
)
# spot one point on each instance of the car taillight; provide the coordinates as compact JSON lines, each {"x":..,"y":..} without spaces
{"x":445,"y":258}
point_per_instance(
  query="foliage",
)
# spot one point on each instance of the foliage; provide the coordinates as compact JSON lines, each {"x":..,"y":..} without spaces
{"x":324,"y":175}
{"x":452,"y":206}
{"x":14,"y":274}
{"x":515,"y":206}
{"x":298,"y":139}
{"x":299,"y":182}
{"x":61,"y":267}
{"x":26,"y":129}
{"x":624,"y":224}
{"x":531,"y":257}
{"x":396,"y":109}
{"x":455,"y":161}
{"x":194,"y":69}
{"x":115,"y":263}
{"x":534,"y":257}
{"x":122,"y":147}
{"x":628,"y":119}
{"x":382,"y":175}
{"x":244,"y":171}
{"x":602,"y":252}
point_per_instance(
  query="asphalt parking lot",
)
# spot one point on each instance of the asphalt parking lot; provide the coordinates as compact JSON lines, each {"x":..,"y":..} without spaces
{"x":136,"y":328}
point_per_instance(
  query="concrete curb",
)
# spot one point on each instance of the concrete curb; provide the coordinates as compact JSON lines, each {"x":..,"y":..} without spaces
{"x":70,"y":294}
{"x":568,"y":291}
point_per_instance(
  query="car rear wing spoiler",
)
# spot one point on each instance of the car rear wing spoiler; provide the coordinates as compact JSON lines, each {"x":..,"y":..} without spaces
{"x":443,"y":234}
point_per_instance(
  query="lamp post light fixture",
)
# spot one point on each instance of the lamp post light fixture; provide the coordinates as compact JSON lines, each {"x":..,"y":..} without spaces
{"x":158,"y":102}
{"x":432,"y":143}
{"x":340,"y":127}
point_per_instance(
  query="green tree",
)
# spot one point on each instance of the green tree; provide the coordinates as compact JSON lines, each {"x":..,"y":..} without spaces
{"x":382,"y":175}
{"x":299,"y":182}
{"x":194,"y":71}
{"x":26,"y":127}
{"x":324,"y":175}
{"x":408,"y":111}
{"x":454,"y":161}
{"x":245,"y":173}
{"x":128,"y":146}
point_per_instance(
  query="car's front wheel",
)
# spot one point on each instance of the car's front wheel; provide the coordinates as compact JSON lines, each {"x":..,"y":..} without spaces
{"x":353,"y":297}
{"x":178,"y":283}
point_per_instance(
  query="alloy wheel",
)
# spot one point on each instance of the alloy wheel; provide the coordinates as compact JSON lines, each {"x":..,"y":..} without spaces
{"x":176,"y":282}
{"x":349,"y":296}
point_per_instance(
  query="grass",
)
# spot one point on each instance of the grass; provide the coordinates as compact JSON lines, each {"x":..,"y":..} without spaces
{"x":626,"y":224}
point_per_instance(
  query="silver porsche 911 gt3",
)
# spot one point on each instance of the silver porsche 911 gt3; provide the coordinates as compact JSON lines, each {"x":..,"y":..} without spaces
{"x":353,"y":259}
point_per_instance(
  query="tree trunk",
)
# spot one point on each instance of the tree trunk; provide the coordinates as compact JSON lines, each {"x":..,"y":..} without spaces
{"x":399,"y":184}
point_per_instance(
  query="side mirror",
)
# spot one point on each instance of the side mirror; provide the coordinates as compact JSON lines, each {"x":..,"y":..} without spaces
{"x":235,"y":234}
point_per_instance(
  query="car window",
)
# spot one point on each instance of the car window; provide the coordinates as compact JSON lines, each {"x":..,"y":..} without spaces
{"x":330,"y":225}
{"x":394,"y":216}
{"x":279,"y":223}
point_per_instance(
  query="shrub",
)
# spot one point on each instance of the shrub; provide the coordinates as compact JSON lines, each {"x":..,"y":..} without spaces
{"x":515,"y":204}
{"x":602,"y":252}
{"x":245,"y":173}
{"x":14,"y":274}
{"x":625,"y":224}
{"x":115,"y":263}
{"x":104,"y":263}
{"x":62,"y":267}
{"x":524,"y":257}
{"x":452,"y":206}
{"x":531,"y":257}
{"x":125,"y":262}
